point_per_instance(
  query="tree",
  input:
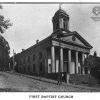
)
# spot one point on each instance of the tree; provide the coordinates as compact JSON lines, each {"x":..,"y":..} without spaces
{"x":4,"y":24}
{"x":90,"y":62}
{"x":5,"y":44}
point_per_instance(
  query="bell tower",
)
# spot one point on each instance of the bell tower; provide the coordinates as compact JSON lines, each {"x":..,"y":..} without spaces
{"x":60,"y":20}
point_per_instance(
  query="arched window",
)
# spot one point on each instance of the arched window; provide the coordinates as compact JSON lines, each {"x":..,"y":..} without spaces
{"x":57,"y":25}
{"x":64,"y":24}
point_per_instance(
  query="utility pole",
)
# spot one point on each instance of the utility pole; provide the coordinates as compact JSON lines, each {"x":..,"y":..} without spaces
{"x":13,"y":61}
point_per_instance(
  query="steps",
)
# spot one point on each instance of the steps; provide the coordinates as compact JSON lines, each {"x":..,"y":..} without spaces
{"x":83,"y":79}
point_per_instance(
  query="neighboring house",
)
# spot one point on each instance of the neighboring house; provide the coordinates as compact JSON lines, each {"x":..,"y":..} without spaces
{"x":62,"y":51}
{"x":4,"y":54}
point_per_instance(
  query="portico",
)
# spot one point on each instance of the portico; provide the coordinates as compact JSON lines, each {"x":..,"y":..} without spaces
{"x":71,"y":61}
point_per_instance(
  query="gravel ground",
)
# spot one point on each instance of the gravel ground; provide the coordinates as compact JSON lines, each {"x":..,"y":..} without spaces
{"x":15,"y":83}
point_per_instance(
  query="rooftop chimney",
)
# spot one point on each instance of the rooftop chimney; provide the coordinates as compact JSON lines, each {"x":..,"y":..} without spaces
{"x":95,"y":54}
{"x":23,"y":50}
{"x":37,"y":41}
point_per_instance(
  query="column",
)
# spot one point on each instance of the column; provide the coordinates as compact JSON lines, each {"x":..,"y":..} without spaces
{"x":53,"y":58}
{"x":61,"y":59}
{"x":69,"y":65}
{"x":76,"y":61}
{"x":83,"y":72}
{"x":69,"y":61}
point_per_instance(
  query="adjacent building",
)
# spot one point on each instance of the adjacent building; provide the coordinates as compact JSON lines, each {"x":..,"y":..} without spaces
{"x":4,"y":54}
{"x":62,"y":51}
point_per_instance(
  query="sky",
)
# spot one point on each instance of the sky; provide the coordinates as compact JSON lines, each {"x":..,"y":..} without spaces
{"x":34,"y":21}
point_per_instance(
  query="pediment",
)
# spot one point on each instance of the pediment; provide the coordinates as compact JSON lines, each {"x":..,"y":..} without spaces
{"x":75,"y":38}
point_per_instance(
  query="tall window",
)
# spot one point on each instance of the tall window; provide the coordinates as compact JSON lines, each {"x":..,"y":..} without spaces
{"x":28,"y":68}
{"x":24,"y":69}
{"x":23,"y":60}
{"x":20,"y":61}
{"x":28,"y":59}
{"x":64,"y":24}
{"x":33,"y":67}
{"x":34,"y":57}
{"x":41,"y":67}
{"x":57,"y":25}
{"x":40,"y":55}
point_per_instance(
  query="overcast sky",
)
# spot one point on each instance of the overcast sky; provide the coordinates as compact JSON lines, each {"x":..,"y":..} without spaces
{"x":34,"y":21}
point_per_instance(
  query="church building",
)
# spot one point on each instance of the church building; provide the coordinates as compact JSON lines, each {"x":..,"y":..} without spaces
{"x":62,"y":51}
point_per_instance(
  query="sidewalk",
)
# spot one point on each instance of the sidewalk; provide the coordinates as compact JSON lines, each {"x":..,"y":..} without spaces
{"x":55,"y":82}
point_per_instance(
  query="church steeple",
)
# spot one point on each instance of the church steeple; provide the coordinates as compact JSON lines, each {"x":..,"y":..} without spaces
{"x":60,"y":20}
